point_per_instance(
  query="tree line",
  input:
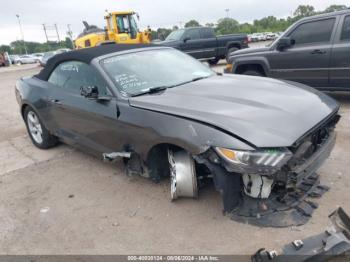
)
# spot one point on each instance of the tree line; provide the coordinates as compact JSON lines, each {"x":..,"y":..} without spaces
{"x":223,"y":26}
{"x":267,"y":24}
{"x":17,"y":47}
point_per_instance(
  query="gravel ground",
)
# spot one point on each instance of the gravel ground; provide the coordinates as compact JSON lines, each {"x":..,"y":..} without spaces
{"x":62,"y":201}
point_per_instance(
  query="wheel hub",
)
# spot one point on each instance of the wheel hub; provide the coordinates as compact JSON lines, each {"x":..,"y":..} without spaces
{"x":34,"y":127}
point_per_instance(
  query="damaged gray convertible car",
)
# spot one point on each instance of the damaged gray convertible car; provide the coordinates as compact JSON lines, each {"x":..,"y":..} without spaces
{"x":259,"y":140}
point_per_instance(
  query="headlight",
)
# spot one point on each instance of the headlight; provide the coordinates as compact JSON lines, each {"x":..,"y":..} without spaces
{"x":263,"y":161}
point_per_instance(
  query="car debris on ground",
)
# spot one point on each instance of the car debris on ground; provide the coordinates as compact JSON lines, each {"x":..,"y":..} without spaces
{"x":334,"y":242}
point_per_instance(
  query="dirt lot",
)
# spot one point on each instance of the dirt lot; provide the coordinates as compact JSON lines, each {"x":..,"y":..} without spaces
{"x":62,"y":201}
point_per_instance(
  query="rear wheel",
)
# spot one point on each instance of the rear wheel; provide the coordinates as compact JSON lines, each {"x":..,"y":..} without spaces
{"x":252,"y":73}
{"x":183,"y":179}
{"x":39,"y":135}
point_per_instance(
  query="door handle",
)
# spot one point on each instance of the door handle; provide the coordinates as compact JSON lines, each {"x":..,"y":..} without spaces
{"x":318,"y":52}
{"x":56,"y":101}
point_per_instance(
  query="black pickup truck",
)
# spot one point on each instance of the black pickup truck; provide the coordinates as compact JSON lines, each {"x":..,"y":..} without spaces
{"x":314,"y":51}
{"x":201,"y":43}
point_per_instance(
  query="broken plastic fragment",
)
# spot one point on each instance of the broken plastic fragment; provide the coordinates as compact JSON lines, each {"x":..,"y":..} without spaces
{"x":44,"y":210}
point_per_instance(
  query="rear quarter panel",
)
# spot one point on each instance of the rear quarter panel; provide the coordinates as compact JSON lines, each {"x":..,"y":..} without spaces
{"x":225,"y":41}
{"x":33,"y":92}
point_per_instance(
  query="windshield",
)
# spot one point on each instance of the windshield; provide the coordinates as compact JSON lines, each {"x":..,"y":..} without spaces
{"x":135,"y":73}
{"x":175,"y":35}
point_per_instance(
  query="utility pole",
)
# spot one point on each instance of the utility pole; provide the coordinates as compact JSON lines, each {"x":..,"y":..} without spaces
{"x":20,"y":48}
{"x":70,"y":34}
{"x":51,"y":33}
{"x":58,"y":36}
{"x":47,"y":38}
{"x":20,"y":28}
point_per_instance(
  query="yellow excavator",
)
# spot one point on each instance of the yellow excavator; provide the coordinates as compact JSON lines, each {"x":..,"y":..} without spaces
{"x":121,"y":28}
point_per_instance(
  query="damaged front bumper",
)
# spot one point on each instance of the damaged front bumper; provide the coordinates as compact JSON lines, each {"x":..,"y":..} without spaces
{"x":277,"y":206}
{"x":293,"y":206}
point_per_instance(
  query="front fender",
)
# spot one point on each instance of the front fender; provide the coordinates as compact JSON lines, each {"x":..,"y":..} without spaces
{"x":256,"y":60}
{"x":162,"y":128}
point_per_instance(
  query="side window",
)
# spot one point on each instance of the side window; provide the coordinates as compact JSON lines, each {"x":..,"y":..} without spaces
{"x":193,"y":34}
{"x":59,"y":76}
{"x":313,"y":32}
{"x":345,"y":33}
{"x":123,"y":24}
{"x":206,"y":33}
{"x":73,"y":75}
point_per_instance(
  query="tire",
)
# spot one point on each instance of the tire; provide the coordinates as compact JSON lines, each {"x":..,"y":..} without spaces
{"x":213,"y":61}
{"x":229,"y":51}
{"x":37,"y":132}
{"x":252,"y":73}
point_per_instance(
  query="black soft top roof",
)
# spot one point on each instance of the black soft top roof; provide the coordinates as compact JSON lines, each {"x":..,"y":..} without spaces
{"x":85,"y":55}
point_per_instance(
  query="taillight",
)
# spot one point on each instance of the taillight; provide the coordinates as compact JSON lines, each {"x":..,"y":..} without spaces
{"x":246,"y":40}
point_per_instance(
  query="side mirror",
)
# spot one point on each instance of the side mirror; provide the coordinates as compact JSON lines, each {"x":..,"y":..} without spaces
{"x":90,"y":92}
{"x":186,"y":39}
{"x":284,"y":43}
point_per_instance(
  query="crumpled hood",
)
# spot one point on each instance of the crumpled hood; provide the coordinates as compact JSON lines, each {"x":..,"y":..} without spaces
{"x":265,"y":112}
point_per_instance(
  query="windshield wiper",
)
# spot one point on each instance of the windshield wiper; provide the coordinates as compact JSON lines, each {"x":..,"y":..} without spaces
{"x":157,"y":89}
{"x":193,"y":80}
{"x":199,"y":78}
{"x":151,"y":90}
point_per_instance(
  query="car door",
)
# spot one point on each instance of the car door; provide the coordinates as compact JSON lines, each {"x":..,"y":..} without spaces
{"x":307,"y":61}
{"x":24,"y":59}
{"x":32,"y":59}
{"x":340,"y":59}
{"x":192,"y":43}
{"x":89,"y":124}
{"x":28,"y":59}
{"x":209,"y":43}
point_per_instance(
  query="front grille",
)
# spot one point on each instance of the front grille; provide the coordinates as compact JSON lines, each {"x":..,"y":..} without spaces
{"x":309,"y":153}
{"x":311,"y":143}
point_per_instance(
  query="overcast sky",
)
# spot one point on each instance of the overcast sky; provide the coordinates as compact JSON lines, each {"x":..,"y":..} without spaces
{"x":156,"y":13}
